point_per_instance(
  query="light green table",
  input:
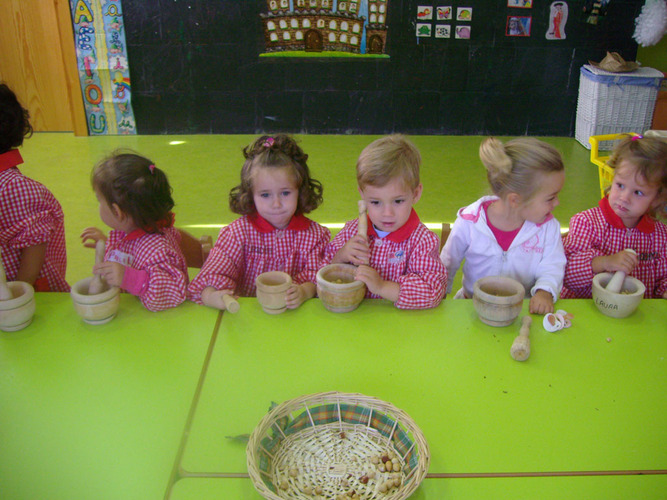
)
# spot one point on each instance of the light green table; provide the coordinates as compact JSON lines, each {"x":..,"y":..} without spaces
{"x":97,"y":412}
{"x":591,"y":399}
{"x":511,"y":488}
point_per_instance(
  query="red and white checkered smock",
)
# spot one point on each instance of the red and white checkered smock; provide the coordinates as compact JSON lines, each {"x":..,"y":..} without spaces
{"x":407,"y":256}
{"x":599,"y":231}
{"x":30,"y":215}
{"x":160,"y":256}
{"x":250,"y":246}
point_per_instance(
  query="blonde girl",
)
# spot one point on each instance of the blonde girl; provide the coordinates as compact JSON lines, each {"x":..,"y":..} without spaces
{"x":142,"y":254}
{"x":627,"y":217}
{"x":513,"y":232}
{"x":273,"y":233}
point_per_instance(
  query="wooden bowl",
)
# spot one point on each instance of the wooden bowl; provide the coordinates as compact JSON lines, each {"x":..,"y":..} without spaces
{"x":337,"y":288}
{"x":617,"y":305}
{"x":498,"y":299}
{"x":271,"y":288}
{"x":17,"y":313}
{"x":95,"y":309}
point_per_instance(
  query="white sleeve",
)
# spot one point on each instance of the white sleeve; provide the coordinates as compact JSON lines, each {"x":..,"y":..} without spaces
{"x":455,"y":249}
{"x":550,"y":270}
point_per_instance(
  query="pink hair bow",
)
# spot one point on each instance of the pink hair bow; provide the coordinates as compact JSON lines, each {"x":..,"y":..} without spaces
{"x":268,"y":142}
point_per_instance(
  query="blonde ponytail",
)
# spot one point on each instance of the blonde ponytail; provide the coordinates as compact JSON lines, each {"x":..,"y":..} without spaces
{"x":515,"y":167}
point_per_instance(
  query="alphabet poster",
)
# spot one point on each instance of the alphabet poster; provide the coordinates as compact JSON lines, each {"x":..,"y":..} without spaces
{"x":99,"y":35}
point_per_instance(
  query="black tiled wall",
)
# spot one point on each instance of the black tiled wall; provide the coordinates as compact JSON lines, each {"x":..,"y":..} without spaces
{"x":195,"y":69}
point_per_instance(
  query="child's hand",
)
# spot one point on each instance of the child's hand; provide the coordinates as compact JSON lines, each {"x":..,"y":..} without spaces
{"x":355,"y":251}
{"x":112,"y":272}
{"x":385,"y":289}
{"x":94,"y":235}
{"x":213,"y":298}
{"x":541,"y":303}
{"x":621,"y":261}
{"x":298,"y":294}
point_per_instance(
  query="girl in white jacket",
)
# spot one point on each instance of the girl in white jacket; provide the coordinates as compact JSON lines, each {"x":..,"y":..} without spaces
{"x":513,"y":233}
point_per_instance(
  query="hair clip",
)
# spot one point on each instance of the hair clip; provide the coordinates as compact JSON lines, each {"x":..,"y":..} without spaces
{"x":268,"y":142}
{"x":636,"y":137}
{"x":151,"y":167}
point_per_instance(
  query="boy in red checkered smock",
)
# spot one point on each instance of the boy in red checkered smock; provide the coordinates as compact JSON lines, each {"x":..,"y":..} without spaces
{"x":625,"y":218}
{"x":398,"y":259}
{"x":273,"y":234}
{"x":142,"y":254}
{"x":32,"y":228}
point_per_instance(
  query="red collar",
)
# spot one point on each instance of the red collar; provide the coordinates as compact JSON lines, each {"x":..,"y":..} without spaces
{"x":646,"y":224}
{"x":298,"y":222}
{"x":10,"y":159}
{"x":403,"y":232}
{"x":134,"y":235}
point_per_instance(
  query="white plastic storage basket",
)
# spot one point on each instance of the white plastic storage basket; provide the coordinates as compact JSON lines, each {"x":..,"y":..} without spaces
{"x":611,"y":103}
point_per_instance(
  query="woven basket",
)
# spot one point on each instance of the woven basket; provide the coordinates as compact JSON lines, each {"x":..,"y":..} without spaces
{"x":331,"y":446}
{"x":597,"y":142}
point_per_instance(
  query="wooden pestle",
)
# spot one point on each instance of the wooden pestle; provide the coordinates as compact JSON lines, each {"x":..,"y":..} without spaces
{"x":520,"y":350}
{"x":362,"y":227}
{"x":5,"y":291}
{"x":616,"y":282}
{"x":231,"y":304}
{"x":97,"y":284}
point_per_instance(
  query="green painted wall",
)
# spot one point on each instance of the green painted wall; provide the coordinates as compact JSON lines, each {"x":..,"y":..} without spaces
{"x":655,"y":56}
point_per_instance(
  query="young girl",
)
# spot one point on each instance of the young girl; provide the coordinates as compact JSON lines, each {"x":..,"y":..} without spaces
{"x":142,"y":251}
{"x":513,"y":233}
{"x":625,"y":218}
{"x":32,"y":224}
{"x":273,"y":234}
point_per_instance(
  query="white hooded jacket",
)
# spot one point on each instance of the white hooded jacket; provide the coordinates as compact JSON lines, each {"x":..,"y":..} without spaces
{"x":535,"y":258}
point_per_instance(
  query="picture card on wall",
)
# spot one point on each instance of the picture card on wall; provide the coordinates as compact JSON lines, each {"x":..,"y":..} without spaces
{"x":443,"y":13}
{"x":423,"y":30}
{"x":443,"y":31}
{"x":464,"y":14}
{"x":424,"y":12}
{"x":520,"y":4}
{"x":462,"y":32}
{"x":557,"y":21}
{"x":518,"y":25}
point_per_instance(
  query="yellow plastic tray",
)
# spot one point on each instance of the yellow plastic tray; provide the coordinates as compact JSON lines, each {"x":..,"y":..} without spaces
{"x":605,"y":172}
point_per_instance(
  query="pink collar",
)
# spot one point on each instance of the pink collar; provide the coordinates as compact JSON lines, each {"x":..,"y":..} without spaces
{"x":403,"y":232}
{"x":10,"y":159}
{"x":298,"y":222}
{"x":646,"y":224}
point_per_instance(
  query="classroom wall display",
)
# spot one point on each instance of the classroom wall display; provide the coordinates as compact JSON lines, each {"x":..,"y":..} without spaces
{"x":102,"y":61}
{"x":557,"y":21}
{"x":520,"y":4}
{"x":518,"y":25}
{"x":324,"y":27}
{"x":196,"y":69}
{"x":426,"y":13}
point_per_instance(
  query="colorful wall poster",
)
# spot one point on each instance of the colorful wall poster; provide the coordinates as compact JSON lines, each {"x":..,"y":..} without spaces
{"x":104,"y":73}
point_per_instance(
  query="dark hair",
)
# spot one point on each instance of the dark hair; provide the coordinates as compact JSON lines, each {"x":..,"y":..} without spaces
{"x":275,"y":151}
{"x":14,"y":120}
{"x":140,"y":190}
